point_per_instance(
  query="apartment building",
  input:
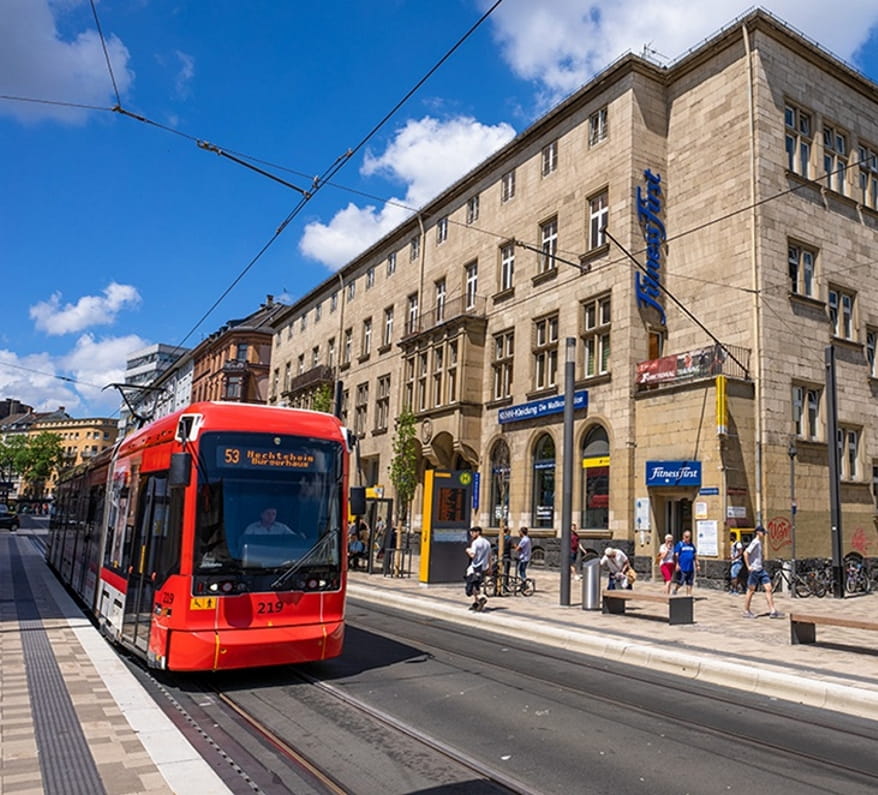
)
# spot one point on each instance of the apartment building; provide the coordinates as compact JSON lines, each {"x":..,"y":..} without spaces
{"x":695,"y":238}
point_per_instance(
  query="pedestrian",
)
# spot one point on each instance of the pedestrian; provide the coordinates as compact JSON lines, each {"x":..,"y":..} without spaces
{"x":685,"y":559}
{"x":665,"y":559}
{"x":737,"y":564}
{"x":523,"y":550}
{"x":574,"y":551}
{"x":754,"y":557}
{"x":479,"y":552}
{"x":615,"y":561}
{"x":507,"y":552}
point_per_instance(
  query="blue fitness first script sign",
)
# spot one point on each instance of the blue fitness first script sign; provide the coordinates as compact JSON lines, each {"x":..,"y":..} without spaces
{"x":649,"y":209}
{"x":540,"y":408}
{"x":673,"y":473}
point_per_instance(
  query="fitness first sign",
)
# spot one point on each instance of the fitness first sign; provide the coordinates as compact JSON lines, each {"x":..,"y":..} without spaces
{"x":649,"y":210}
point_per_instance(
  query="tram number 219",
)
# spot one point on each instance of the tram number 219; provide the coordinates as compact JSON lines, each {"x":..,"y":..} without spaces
{"x":264,"y":608}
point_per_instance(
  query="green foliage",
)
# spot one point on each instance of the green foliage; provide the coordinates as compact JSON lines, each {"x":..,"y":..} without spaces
{"x":34,"y":458}
{"x":404,"y":465}
{"x":322,"y":400}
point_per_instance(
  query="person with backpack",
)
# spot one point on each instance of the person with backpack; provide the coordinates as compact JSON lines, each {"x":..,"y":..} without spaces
{"x":737,"y":565}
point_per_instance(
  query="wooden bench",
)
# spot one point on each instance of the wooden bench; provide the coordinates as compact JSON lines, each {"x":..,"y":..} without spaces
{"x":679,"y":607}
{"x":803,"y":626}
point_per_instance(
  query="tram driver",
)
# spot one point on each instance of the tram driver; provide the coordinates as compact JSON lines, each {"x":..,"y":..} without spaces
{"x":268,"y":525}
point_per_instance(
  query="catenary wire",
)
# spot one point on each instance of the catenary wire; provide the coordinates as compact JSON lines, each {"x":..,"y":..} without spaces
{"x":106,"y":52}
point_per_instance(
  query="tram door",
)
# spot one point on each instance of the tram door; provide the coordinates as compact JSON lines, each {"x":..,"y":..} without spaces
{"x":151,"y":525}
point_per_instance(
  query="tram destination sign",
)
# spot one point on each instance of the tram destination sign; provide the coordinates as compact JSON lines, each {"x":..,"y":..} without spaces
{"x":239,"y":457}
{"x":540,"y":408}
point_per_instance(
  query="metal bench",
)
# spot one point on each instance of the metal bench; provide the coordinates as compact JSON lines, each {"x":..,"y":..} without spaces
{"x":803,"y":626}
{"x":679,"y":607}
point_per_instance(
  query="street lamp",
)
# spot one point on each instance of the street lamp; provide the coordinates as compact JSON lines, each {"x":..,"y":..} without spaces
{"x":792,"y":452}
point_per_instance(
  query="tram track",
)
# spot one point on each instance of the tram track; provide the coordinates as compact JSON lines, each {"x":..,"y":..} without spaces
{"x":676,"y":689}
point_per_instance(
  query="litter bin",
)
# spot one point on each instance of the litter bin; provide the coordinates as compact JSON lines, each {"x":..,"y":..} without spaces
{"x":591,"y":584}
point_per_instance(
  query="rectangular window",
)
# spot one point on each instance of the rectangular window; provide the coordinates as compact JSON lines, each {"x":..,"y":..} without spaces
{"x":800,"y":262}
{"x":303,"y":322}
{"x":596,"y":336}
{"x":504,"y":349}
{"x":545,"y":352}
{"x":288,"y":375}
{"x":411,"y":323}
{"x":471,"y":284}
{"x":387,"y":338}
{"x":370,"y":277}
{"x":408,"y":394}
{"x":330,"y":352}
{"x":241,"y":352}
{"x":315,"y":356}
{"x":835,"y":158}
{"x":345,"y":405}
{"x":234,"y":387}
{"x":548,"y":246}
{"x":352,"y":289}
{"x":841,"y":313}
{"x":848,"y":449}
{"x":507,"y":266}
{"x":422,"y":381}
{"x":598,"y":212}
{"x":438,"y":373}
{"x":414,"y":248}
{"x":391,"y":263}
{"x":549,"y":158}
{"x":871,"y":341}
{"x":472,"y":209}
{"x":439,"y":291}
{"x":361,"y":409}
{"x":451,"y":372}
{"x":597,"y":127}
{"x":318,"y":311}
{"x":442,"y":230}
{"x":366,"y":349}
{"x":507,"y":186}
{"x":300,"y":364}
{"x":806,"y":412}
{"x":348,"y":346}
{"x":333,"y":302}
{"x":798,"y":139}
{"x":382,"y":403}
{"x":275,"y":380}
{"x":868,"y":162}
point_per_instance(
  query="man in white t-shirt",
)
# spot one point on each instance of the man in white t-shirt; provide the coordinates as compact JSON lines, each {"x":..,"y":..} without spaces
{"x":754,"y":558}
{"x":479,"y":552}
{"x":615,"y":561}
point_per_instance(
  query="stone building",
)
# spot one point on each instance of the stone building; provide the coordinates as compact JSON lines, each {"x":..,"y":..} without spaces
{"x":701,"y":233}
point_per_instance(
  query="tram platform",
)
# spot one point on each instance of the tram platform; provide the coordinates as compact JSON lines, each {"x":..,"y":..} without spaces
{"x":73,"y":719}
{"x":839,"y":672}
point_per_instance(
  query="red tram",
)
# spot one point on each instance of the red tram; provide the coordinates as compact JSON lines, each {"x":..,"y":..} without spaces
{"x":213,"y":538}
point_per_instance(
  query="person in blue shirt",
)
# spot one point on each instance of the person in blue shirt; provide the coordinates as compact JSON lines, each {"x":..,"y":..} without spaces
{"x":686,"y":559}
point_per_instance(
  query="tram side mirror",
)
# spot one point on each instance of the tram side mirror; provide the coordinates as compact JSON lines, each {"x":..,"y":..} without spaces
{"x":181,"y":468}
{"x":357,"y":505}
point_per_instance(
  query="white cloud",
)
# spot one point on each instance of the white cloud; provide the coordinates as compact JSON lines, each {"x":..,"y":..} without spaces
{"x":36,"y":63}
{"x":426,"y":155}
{"x":75,"y":380}
{"x":90,"y":310}
{"x":185,"y":75}
{"x":561,"y":44}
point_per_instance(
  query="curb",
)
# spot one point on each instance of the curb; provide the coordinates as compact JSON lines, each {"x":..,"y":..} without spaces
{"x":835,"y":696}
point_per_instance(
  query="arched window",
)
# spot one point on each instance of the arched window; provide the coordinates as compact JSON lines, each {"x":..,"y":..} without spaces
{"x":499,"y":501}
{"x":543,"y":503}
{"x":596,"y":480}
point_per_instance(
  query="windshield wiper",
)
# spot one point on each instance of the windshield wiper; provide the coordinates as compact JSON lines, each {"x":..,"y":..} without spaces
{"x":318,"y":549}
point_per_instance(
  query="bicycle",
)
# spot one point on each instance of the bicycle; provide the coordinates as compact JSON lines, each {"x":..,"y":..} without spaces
{"x":856,"y":578}
{"x":501,"y":584}
{"x":795,"y":582}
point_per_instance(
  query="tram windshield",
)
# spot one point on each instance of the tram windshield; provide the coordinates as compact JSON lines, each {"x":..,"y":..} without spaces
{"x":267,"y":502}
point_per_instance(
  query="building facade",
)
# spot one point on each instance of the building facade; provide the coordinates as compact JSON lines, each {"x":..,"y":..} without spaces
{"x":81,"y":440}
{"x":694,"y":239}
{"x":142,"y":368}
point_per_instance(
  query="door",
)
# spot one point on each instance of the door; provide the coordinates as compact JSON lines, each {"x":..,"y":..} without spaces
{"x":151,"y":524}
{"x":678,"y":517}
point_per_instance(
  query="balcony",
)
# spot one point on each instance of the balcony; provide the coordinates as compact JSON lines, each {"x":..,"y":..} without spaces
{"x":702,"y":363}
{"x":316,"y":376}
{"x":452,"y":309}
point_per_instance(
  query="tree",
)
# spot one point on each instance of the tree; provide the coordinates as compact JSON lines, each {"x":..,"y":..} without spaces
{"x":322,"y":400}
{"x":35,"y":459}
{"x":404,"y":464}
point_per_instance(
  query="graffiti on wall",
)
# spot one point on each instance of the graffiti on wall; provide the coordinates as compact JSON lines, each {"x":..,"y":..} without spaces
{"x":780,"y":533}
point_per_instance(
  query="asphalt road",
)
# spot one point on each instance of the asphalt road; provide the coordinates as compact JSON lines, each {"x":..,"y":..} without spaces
{"x":554,"y":721}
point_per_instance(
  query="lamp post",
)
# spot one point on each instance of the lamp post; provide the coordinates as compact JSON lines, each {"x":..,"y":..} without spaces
{"x":792,"y":452}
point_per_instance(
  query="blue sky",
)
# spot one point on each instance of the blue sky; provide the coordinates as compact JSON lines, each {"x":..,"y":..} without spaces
{"x":115,"y":233}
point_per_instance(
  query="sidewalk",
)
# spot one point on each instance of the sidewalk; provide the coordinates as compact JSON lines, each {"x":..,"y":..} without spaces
{"x":839,"y":672}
